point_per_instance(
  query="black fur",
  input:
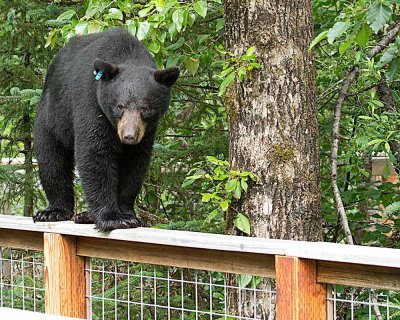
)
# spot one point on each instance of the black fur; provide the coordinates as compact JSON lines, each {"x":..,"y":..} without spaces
{"x":77,"y":122}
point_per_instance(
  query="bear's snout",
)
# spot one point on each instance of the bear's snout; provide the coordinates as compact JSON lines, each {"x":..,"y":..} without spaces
{"x":131,"y":127}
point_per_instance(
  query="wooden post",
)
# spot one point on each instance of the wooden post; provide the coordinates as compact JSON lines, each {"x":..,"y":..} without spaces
{"x":298,"y":295}
{"x":64,"y":276}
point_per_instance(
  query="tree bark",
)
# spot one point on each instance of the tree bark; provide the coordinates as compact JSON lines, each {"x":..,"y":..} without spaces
{"x":272,"y":121}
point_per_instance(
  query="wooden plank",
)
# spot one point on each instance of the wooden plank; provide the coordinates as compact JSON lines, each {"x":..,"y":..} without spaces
{"x":358,"y":275}
{"x":299,"y":296}
{"x":308,"y":250}
{"x":150,"y":235}
{"x":64,"y":277}
{"x":17,"y":239}
{"x":232,"y":262}
{"x":8,"y":313}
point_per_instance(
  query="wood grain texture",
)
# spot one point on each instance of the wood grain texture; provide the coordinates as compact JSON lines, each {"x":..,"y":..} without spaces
{"x":299,"y":296}
{"x":232,"y":262}
{"x":16,"y":239}
{"x":321,"y":251}
{"x":64,"y":277}
{"x":358,"y":275}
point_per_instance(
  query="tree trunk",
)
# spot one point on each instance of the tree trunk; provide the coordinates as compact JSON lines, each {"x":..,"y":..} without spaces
{"x":272,"y":121}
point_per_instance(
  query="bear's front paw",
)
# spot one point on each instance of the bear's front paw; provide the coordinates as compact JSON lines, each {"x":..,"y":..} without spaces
{"x":83,"y":217}
{"x":116,"y":220}
{"x":52,"y":214}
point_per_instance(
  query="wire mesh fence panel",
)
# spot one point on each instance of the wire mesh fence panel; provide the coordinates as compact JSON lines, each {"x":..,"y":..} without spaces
{"x":348,"y":303}
{"x":21,"y":279}
{"x":125,"y":290}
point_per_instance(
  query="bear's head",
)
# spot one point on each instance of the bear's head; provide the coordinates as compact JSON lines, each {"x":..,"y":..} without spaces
{"x":133,"y":98}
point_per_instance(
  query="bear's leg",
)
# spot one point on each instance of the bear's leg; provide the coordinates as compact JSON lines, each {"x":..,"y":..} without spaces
{"x":98,"y":170}
{"x":132,"y":170}
{"x":56,"y":176}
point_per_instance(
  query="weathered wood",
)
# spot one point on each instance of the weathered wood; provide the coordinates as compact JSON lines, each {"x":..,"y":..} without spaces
{"x":358,"y":275}
{"x":299,"y":296}
{"x":215,"y":260}
{"x":64,"y":277}
{"x":322,"y":251}
{"x":16,"y":239}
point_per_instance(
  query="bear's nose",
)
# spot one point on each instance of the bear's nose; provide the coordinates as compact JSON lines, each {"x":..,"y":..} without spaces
{"x":129,"y":138}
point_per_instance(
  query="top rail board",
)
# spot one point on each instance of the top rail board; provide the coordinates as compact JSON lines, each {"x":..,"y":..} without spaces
{"x":322,"y":251}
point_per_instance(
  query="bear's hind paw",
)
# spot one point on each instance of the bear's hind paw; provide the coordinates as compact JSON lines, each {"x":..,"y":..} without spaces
{"x":52,"y":215}
{"x":121,"y":221}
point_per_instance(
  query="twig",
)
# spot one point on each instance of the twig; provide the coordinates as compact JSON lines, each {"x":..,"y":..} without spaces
{"x":334,"y":153}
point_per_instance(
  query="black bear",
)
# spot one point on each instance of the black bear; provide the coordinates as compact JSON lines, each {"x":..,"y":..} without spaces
{"x":101,"y":103}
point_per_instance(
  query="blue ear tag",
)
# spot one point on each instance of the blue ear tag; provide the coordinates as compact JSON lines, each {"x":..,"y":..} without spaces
{"x":98,"y":74}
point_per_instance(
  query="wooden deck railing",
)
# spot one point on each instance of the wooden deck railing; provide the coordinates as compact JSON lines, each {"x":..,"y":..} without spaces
{"x":302,"y":269}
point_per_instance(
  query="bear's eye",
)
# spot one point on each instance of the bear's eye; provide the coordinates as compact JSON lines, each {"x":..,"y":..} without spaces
{"x":145,"y":109}
{"x":120,"y":107}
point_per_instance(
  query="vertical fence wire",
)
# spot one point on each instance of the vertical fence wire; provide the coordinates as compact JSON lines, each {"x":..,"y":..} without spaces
{"x":21,"y":279}
{"x":162,"y":292}
{"x":357,"y":303}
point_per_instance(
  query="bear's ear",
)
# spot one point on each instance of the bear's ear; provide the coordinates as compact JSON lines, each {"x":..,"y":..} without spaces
{"x":167,"y":77}
{"x":109,"y":69}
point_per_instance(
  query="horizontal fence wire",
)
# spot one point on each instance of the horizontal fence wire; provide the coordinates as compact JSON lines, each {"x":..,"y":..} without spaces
{"x":22,"y":279}
{"x":348,"y":303}
{"x":126,"y":290}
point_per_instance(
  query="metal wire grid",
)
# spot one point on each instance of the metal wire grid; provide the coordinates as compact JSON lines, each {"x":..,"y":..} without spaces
{"x":125,"y":290}
{"x":348,"y":303}
{"x":21,"y":279}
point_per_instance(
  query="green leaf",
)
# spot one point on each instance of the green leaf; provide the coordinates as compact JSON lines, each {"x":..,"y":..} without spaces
{"x":237,"y":193}
{"x":81,"y":27}
{"x":378,"y":15}
{"x":224,"y":205}
{"x":143,"y":30}
{"x":244,"y":280}
{"x":154,"y":46}
{"x":242,"y":223}
{"x":389,"y":54}
{"x":393,"y":69}
{"x":386,"y":171}
{"x":176,"y":45}
{"x":337,"y":30}
{"x":318,"y":39}
{"x":177,"y":18}
{"x":115,"y":14}
{"x":344,"y":46}
{"x":244,"y":184}
{"x":67,"y":15}
{"x":160,"y":4}
{"x":201,"y":8}
{"x":211,"y":216}
{"x":227,"y":81}
{"x":250,"y":51}
{"x":375,"y":141}
{"x":363,"y":35}
{"x":241,"y":73}
{"x":206,"y":197}
{"x":131,"y":24}
{"x":192,"y":65}
{"x":387,"y":147}
{"x":142,"y":13}
{"x":231,"y":185}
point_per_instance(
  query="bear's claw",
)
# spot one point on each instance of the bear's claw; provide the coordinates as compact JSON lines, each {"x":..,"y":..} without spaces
{"x":118,"y":221}
{"x":52,"y":215}
{"x":83,"y":218}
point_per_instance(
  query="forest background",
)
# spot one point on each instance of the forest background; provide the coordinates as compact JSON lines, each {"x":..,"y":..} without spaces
{"x":190,"y":185}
